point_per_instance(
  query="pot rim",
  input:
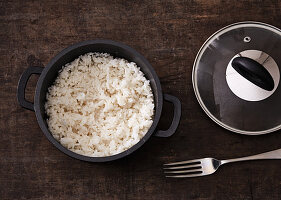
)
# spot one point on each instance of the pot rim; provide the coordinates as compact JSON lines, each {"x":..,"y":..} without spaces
{"x":48,"y":134}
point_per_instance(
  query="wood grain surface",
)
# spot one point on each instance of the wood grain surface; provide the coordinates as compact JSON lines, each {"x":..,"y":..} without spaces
{"x":168,"y":34}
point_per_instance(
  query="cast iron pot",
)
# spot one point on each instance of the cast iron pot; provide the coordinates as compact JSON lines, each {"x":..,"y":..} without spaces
{"x":116,"y":49}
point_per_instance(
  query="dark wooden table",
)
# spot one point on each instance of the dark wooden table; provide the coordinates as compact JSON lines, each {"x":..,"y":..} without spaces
{"x":168,"y":34}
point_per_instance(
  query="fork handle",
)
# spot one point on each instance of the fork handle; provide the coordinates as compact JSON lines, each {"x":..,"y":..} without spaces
{"x":276,"y":154}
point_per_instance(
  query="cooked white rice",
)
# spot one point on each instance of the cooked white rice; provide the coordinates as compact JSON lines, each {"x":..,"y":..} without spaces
{"x":99,"y":105}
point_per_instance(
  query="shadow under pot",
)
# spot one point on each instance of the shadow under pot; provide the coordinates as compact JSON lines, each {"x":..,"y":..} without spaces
{"x":50,"y":72}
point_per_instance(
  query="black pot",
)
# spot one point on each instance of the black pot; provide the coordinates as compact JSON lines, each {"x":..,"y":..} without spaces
{"x":50,"y":72}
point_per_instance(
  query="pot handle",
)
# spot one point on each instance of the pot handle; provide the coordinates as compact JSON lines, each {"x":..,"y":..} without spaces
{"x":22,"y":84}
{"x":176,"y":119}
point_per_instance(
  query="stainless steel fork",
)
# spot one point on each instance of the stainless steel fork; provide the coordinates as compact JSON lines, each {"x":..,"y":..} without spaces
{"x":206,"y":166}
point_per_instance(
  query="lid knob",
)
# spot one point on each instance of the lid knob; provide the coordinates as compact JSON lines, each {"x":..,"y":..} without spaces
{"x":253,"y":72}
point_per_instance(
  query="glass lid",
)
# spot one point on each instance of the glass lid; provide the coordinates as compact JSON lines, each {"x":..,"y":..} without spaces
{"x":236,"y":77}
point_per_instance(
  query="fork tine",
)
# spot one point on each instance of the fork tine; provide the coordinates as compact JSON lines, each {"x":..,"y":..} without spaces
{"x":185,"y":176}
{"x":183,"y":167}
{"x":184,"y":171}
{"x":183,"y":162}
